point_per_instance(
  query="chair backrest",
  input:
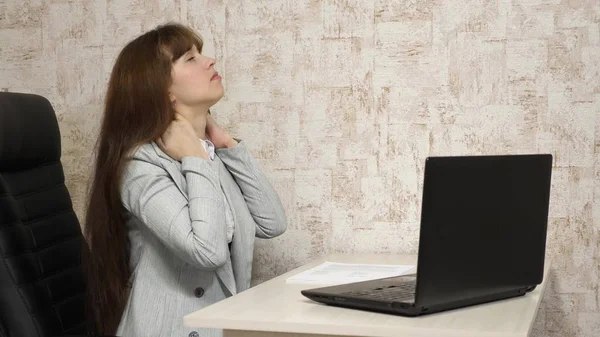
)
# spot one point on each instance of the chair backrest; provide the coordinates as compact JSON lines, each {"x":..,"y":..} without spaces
{"x":41,"y":280}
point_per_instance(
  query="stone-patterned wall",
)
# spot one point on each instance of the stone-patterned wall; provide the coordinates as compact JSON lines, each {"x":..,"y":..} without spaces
{"x":342,"y":100}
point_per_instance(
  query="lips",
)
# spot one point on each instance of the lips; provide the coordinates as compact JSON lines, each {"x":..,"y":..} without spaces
{"x":216,"y":76}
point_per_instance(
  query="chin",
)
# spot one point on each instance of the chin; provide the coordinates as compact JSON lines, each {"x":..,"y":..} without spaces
{"x":209,"y":98}
{"x":220,"y":95}
{"x":214,"y":100}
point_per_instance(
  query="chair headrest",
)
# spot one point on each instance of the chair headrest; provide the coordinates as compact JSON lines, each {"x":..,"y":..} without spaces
{"x":29,"y":133}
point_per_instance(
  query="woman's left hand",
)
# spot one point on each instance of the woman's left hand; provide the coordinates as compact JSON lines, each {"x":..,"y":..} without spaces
{"x":217,"y":135}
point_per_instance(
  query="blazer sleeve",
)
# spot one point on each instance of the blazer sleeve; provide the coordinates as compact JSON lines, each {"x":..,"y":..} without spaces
{"x":193,"y":228}
{"x":262,"y":200}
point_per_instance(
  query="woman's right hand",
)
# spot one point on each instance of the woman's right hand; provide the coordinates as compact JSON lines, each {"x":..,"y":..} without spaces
{"x":180,"y":140}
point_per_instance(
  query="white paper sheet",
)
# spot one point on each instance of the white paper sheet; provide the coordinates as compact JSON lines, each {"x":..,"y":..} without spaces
{"x":332,"y":273}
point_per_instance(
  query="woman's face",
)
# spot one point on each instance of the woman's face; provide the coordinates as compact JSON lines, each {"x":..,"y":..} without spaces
{"x":195,"y":83}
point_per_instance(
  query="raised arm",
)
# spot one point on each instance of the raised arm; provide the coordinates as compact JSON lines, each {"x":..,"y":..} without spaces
{"x":262,"y":200}
{"x":194,"y":227}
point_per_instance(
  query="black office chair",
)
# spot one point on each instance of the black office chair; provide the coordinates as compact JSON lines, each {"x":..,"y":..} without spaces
{"x":41,"y":280}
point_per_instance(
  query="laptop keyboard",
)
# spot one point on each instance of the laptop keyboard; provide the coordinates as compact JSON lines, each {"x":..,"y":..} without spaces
{"x":401,"y":292}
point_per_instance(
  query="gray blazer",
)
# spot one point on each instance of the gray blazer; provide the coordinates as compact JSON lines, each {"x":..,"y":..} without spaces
{"x":179,"y":254}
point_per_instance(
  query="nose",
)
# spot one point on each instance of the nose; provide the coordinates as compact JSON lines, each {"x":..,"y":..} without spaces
{"x":210,"y":62}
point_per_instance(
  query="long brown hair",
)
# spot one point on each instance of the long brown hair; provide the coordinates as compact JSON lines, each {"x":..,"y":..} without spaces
{"x":137,"y":110}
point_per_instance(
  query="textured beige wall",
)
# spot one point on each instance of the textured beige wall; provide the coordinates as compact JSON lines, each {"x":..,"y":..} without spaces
{"x":342,"y":101}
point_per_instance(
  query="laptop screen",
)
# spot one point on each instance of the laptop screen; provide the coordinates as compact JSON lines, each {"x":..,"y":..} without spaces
{"x":483,"y":225}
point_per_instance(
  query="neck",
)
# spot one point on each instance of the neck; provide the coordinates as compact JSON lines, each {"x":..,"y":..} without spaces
{"x":197,"y":117}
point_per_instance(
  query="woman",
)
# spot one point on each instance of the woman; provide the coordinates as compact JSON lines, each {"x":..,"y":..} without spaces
{"x":175,"y":201}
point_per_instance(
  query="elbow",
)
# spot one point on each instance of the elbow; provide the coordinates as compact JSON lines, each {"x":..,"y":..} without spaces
{"x":210,"y":260}
{"x":276,"y":228}
{"x":273,"y":223}
{"x":281,"y":228}
{"x":280,"y":224}
{"x":217,"y":261}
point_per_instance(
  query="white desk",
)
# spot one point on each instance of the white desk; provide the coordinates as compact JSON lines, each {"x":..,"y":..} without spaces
{"x":275,"y":308}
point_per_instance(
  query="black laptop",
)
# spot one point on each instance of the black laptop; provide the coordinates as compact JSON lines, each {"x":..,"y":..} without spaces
{"x":482,"y":238}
